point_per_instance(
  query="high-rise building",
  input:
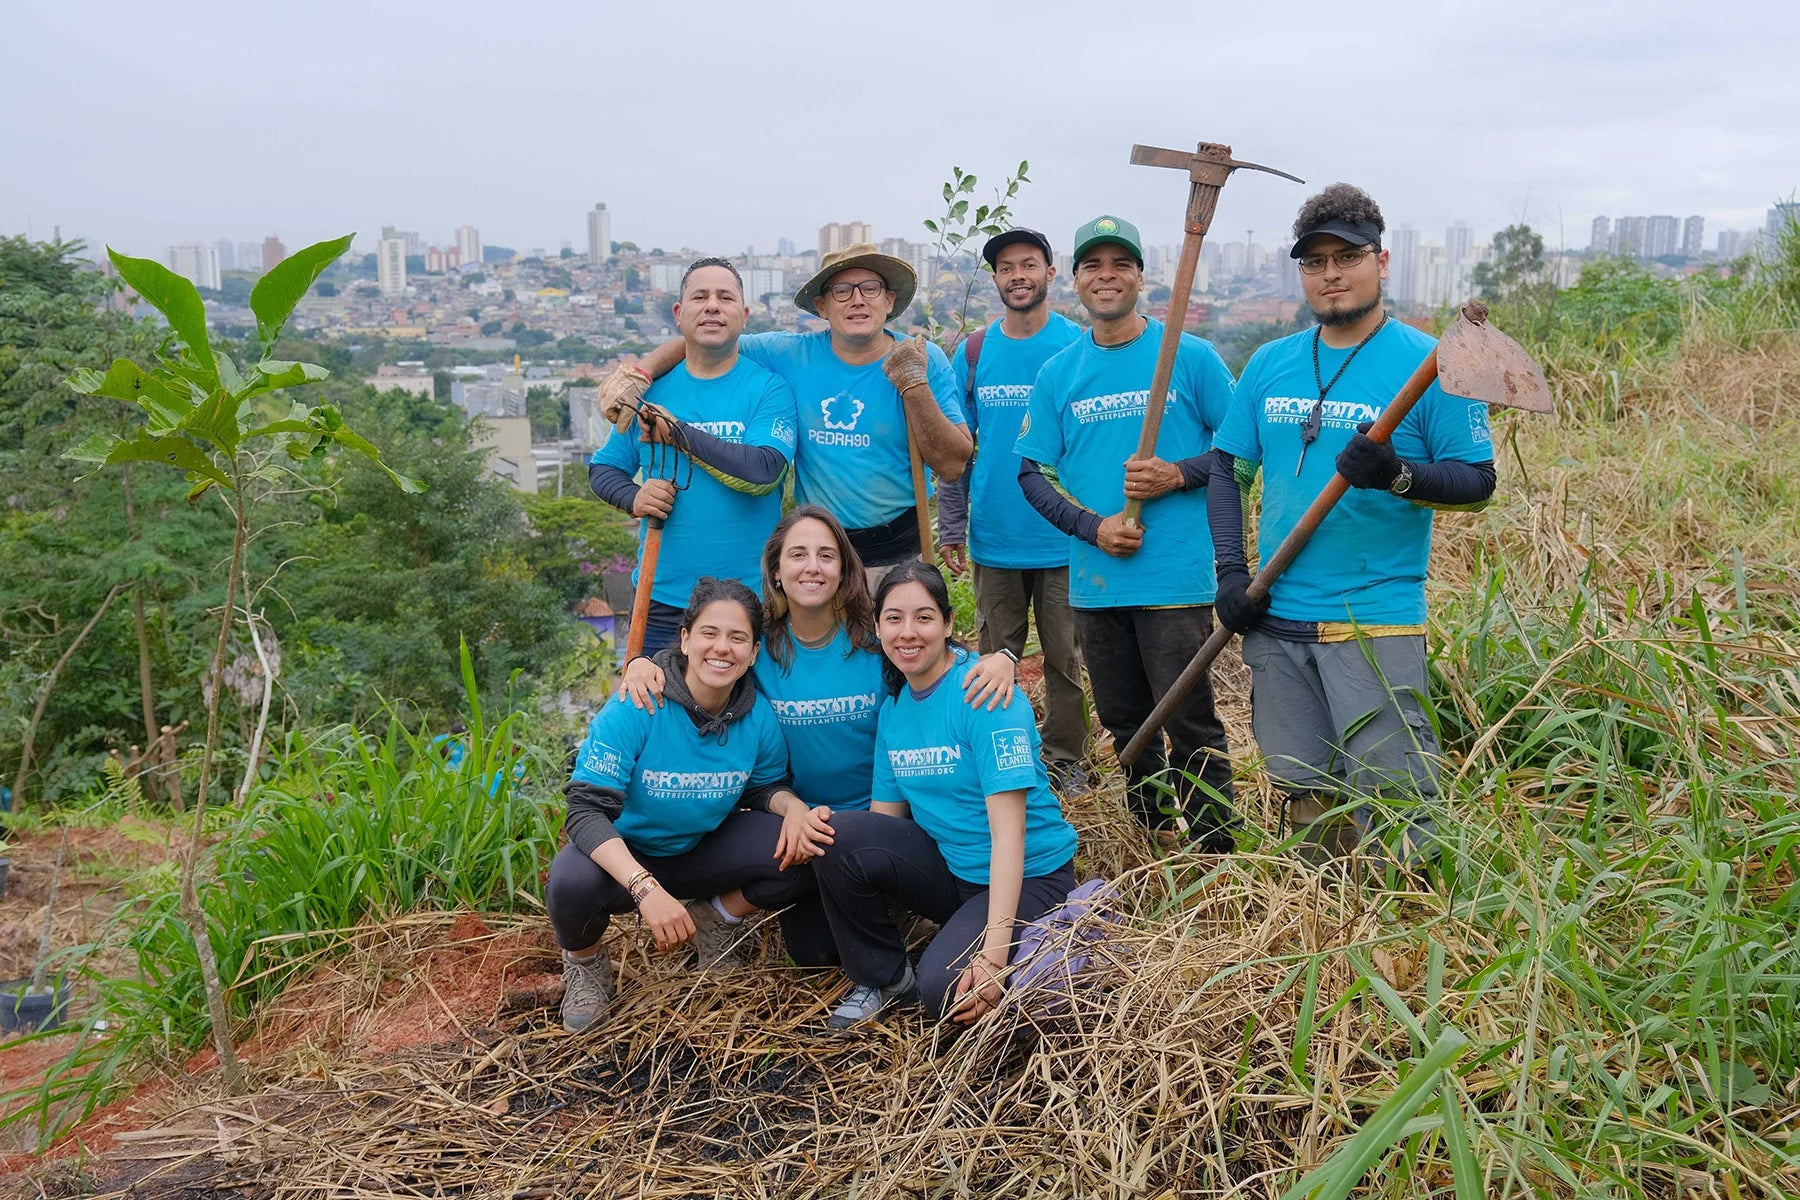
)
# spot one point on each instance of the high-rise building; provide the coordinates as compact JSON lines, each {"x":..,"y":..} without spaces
{"x":390,"y":265}
{"x":1459,"y":242}
{"x":248,"y":257}
{"x":1693,"y":237}
{"x":468,"y":244}
{"x":666,"y":277}
{"x":836,"y":235}
{"x":764,"y":281}
{"x":786,"y":248}
{"x":599,"y":231}
{"x":415,"y":245}
{"x":227,"y":254}
{"x":196,"y":262}
{"x":1628,"y":237}
{"x":272,"y":252}
{"x":1600,"y":240}
{"x":1403,"y":265}
{"x":1781,"y":216}
{"x":1662,"y":236}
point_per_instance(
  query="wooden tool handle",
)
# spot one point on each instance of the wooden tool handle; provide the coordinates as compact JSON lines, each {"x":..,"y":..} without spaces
{"x":1291,"y":546}
{"x":1165,"y":360}
{"x":921,"y":505}
{"x":640,"y":600}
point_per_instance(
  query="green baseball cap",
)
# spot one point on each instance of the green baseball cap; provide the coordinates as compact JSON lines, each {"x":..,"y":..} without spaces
{"x":1108,"y":229}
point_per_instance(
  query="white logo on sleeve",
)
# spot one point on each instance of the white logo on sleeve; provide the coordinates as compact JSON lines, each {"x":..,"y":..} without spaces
{"x":783,"y":432}
{"x":601,"y":759}
{"x":1012,"y":749}
{"x":1479,"y":433}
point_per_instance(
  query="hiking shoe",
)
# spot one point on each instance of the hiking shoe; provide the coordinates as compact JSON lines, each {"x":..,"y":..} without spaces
{"x":718,"y":944}
{"x":587,"y":990}
{"x":864,"y":1004}
{"x":1069,"y":779}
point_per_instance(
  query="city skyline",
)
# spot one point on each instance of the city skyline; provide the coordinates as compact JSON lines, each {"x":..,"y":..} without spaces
{"x":1551,"y":114}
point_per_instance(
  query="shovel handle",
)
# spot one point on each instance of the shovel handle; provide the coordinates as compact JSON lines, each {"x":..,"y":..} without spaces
{"x":1291,"y":546}
{"x":640,"y":600}
{"x":921,"y":506}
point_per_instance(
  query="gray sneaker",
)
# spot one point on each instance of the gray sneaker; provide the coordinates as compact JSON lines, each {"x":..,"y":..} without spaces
{"x":866,"y":1003}
{"x":718,"y":945}
{"x":587,"y":990}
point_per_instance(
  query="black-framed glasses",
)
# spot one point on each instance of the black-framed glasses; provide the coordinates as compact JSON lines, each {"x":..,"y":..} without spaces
{"x":1313,"y":264}
{"x":870,"y":288}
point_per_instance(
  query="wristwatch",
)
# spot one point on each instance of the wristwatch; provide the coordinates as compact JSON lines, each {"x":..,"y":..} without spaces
{"x":1403,"y":481}
{"x":1011,"y":655}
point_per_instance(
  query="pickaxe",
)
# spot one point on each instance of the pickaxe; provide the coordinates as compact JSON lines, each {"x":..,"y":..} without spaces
{"x":1472,"y":360}
{"x":1208,"y":167}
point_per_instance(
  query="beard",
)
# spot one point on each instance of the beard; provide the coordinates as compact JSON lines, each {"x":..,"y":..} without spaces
{"x":1036,"y":296}
{"x":1347,"y":316}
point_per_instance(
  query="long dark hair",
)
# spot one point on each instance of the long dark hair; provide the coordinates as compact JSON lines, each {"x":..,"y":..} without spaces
{"x":710,"y":590}
{"x":854,"y":609}
{"x":915,"y":570}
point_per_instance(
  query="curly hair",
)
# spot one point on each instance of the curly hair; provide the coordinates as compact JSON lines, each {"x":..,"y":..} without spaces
{"x":1339,"y":202}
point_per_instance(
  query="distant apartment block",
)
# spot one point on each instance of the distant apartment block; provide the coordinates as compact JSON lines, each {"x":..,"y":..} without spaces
{"x":390,"y":265}
{"x":1600,"y":238}
{"x":1662,"y":236}
{"x":415,"y":245}
{"x":1781,"y":216}
{"x":599,"y":233}
{"x":272,"y":252}
{"x":196,"y":262}
{"x":248,"y":256}
{"x":837,"y":235}
{"x":666,"y":277}
{"x":1693,"y":237}
{"x":468,"y":244}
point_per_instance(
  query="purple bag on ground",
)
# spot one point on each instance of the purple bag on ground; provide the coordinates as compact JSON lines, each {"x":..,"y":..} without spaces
{"x":1057,"y":947}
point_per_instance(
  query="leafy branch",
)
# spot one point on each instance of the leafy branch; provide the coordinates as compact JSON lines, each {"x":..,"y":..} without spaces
{"x":957,"y":232}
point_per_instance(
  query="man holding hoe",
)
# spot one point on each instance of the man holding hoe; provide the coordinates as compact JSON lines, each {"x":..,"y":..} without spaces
{"x":861,"y":392}
{"x":1336,"y":650}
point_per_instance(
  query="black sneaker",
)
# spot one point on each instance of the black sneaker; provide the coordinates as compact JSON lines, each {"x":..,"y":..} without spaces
{"x":1069,"y":779}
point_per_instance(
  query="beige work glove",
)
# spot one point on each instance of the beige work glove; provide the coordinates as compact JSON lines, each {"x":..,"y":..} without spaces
{"x":907,"y":364}
{"x":621,"y":393}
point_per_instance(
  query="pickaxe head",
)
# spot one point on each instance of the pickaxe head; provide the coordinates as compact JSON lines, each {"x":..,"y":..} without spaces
{"x":1478,"y":362}
{"x":1209,"y":162}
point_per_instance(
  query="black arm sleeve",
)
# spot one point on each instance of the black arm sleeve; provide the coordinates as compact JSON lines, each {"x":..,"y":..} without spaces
{"x":756,"y":465}
{"x":1055,"y":507}
{"x":1452,"y":483}
{"x":757,"y":797}
{"x":613,"y":486}
{"x":953,"y":510}
{"x":1196,"y":471}
{"x":1225,"y":511}
{"x":592,"y":810}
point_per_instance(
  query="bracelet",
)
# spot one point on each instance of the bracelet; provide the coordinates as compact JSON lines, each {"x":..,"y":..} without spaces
{"x":1010,"y":654}
{"x":632,"y":883}
{"x":642,"y":890}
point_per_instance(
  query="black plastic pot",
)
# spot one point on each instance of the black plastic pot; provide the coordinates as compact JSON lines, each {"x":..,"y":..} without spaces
{"x":5,"y":870}
{"x":23,"y":1012}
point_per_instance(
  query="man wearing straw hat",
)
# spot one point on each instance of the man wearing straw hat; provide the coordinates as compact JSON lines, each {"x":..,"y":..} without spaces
{"x":860,"y":390}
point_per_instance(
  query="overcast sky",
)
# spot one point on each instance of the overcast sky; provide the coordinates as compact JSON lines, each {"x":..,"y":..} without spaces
{"x":725,"y":125}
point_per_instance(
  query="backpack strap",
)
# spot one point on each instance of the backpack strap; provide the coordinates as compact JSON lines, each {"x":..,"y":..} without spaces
{"x":972,"y":350}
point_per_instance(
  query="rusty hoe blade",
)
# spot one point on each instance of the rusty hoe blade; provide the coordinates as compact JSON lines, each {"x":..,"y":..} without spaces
{"x":1478,"y":362}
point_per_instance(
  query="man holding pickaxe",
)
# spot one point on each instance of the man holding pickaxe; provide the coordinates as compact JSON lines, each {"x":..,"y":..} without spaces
{"x":1141,"y":588}
{"x":1336,"y":647}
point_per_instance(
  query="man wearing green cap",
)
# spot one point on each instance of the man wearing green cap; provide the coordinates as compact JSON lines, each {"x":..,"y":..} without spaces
{"x":860,"y":389}
{"x":1142,"y":595}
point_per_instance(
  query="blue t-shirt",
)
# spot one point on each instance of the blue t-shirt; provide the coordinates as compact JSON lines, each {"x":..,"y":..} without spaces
{"x":827,"y":703}
{"x":679,"y":785}
{"x":851,"y":458}
{"x":1366,"y":563}
{"x":945,"y":757}
{"x":1004,"y":530}
{"x":713,"y":528}
{"x":1087,"y":410}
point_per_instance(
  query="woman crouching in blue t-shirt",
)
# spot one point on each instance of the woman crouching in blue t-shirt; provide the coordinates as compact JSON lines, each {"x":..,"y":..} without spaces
{"x":964,"y":828}
{"x":654,"y":817}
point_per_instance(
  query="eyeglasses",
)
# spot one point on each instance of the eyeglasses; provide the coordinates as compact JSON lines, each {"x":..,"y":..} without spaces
{"x":1313,"y":264}
{"x":870,"y":288}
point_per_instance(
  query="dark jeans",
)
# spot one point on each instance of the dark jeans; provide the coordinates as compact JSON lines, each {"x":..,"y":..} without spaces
{"x":1133,"y":655}
{"x":1005,"y":599}
{"x":581,"y":898}
{"x":874,"y":858}
{"x":662,"y":627}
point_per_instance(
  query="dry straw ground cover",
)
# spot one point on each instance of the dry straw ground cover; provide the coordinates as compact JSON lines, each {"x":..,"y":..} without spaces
{"x":1596,"y":996}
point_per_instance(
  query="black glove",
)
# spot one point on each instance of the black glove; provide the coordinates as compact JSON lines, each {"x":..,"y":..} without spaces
{"x":1367,"y":463}
{"x":1233,"y":606}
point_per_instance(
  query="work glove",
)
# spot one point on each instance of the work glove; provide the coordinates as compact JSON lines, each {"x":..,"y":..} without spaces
{"x":907,"y":364}
{"x":621,"y":392}
{"x":1367,"y":463}
{"x":1232,"y":605}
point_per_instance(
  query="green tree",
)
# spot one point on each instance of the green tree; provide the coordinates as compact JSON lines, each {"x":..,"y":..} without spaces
{"x":1517,"y":271}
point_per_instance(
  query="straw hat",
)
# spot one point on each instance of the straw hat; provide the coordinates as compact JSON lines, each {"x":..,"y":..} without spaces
{"x":897,"y":273}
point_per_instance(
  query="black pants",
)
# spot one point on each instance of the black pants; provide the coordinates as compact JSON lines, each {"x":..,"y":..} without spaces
{"x":1133,"y":655}
{"x":874,"y":858}
{"x":581,"y":898}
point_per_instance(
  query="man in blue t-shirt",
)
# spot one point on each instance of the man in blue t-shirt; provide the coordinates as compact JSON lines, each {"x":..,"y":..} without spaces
{"x":717,"y":430}
{"x":1019,"y":560}
{"x":1142,"y":594}
{"x":860,"y":391}
{"x":1337,"y":649}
